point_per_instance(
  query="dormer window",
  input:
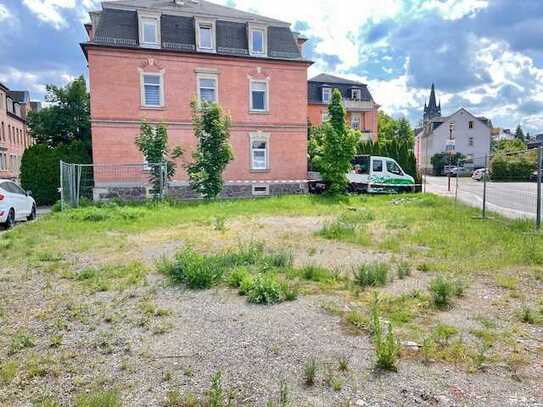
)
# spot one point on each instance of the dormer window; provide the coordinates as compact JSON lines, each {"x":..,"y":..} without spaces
{"x":356,"y":94}
{"x":258,"y":40}
{"x":205,"y":34}
{"x":149,"y":30}
{"x":326,"y":95}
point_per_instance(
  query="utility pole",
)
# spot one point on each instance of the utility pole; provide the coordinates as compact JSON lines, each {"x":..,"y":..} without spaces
{"x":539,"y":156}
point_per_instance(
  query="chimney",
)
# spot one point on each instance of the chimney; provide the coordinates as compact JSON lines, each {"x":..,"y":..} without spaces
{"x":300,"y":41}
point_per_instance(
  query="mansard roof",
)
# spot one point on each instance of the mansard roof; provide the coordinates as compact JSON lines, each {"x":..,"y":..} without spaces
{"x":117,"y":26}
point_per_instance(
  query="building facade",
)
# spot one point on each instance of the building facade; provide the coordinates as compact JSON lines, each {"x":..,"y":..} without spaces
{"x":14,"y":136}
{"x":361,"y":108}
{"x":149,"y":59}
{"x":462,"y":132}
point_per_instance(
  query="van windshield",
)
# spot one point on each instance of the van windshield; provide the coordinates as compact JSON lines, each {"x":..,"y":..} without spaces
{"x":393,"y":168}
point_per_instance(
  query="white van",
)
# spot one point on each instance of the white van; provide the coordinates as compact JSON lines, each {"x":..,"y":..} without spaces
{"x":370,"y":174}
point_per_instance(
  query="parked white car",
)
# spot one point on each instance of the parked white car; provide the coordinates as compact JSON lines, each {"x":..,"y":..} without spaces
{"x":479,"y":174}
{"x":15,"y":204}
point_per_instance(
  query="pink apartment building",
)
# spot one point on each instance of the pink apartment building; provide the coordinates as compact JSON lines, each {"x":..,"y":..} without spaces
{"x":14,"y":136}
{"x":149,"y":58}
{"x":361,"y":108}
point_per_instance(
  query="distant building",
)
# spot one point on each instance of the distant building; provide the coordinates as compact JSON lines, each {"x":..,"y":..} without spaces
{"x":14,"y":136}
{"x":499,"y":134}
{"x":359,"y":103}
{"x":536,"y":141}
{"x":470,"y":135}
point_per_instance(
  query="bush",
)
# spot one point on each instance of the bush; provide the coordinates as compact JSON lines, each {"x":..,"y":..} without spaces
{"x":237,"y":276}
{"x":40,"y":171}
{"x":443,"y":290}
{"x":372,"y":275}
{"x":512,"y":168}
{"x":194,"y":270}
{"x":265,"y":290}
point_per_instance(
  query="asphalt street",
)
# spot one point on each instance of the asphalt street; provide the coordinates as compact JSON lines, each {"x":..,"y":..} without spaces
{"x":511,"y":199}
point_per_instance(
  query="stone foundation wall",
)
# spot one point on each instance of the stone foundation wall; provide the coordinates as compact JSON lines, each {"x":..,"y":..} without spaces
{"x":185,"y":192}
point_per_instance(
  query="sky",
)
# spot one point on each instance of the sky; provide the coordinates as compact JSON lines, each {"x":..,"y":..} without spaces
{"x":484,"y":55}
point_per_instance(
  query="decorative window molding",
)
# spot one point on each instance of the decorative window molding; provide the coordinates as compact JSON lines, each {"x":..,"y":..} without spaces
{"x":207,"y":87}
{"x":206,"y":35}
{"x":258,"y":40}
{"x":152,"y":89}
{"x":356,"y":121}
{"x":260,"y":151}
{"x":259,"y":95}
{"x":149,"y":29}
{"x":326,"y":95}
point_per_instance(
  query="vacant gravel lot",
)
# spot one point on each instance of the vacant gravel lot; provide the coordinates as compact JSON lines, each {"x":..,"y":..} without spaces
{"x":63,"y":339}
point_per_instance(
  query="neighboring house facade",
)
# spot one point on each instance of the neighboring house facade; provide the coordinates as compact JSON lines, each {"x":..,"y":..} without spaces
{"x":148,"y":59}
{"x":361,"y":108}
{"x":471,"y":135}
{"x":14,"y":135}
{"x":499,"y":134}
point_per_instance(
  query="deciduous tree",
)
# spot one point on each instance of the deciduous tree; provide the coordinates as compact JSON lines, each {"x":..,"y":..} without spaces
{"x":213,"y":153}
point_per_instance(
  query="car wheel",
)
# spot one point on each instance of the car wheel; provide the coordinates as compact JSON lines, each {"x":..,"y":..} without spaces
{"x":10,"y":221}
{"x":32,"y":215}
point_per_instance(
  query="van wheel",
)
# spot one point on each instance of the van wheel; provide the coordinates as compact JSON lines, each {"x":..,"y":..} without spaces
{"x":10,"y":221}
{"x":32,"y":215}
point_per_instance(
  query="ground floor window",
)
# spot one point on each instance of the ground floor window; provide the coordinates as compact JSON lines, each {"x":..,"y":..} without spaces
{"x":260,"y":151}
{"x":356,"y":121}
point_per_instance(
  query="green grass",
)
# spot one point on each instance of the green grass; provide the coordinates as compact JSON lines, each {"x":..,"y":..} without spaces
{"x":112,"y":277}
{"x":108,"y":398}
{"x":469,"y":244}
{"x":372,"y":275}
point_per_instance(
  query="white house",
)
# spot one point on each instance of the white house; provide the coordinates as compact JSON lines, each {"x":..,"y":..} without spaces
{"x":461,"y":132}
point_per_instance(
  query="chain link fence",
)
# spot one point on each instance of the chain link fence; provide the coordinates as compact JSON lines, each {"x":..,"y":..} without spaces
{"x":99,"y":182}
{"x":504,"y":183}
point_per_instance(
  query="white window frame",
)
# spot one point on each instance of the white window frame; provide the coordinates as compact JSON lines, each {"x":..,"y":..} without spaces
{"x":326,"y":90}
{"x":142,"y":89}
{"x":152,"y":18}
{"x":356,"y":92}
{"x":266,"y":99}
{"x":214,"y":77}
{"x":211,"y":23}
{"x":264,"y":31}
{"x":325,"y":116}
{"x":359,"y":116}
{"x":259,"y":137}
{"x":265,"y":192}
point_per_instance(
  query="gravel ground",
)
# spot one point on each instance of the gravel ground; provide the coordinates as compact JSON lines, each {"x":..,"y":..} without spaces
{"x":109,"y":341}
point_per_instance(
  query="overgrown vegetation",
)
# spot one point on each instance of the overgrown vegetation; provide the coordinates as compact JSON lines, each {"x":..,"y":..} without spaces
{"x":387,"y":347}
{"x":444,"y":290}
{"x":213,"y":152}
{"x":153,"y":143}
{"x":372,"y":275}
{"x":333,"y":147}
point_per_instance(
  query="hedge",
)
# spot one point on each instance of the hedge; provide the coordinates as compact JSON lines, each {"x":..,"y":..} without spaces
{"x":504,"y":168}
{"x":40,"y":171}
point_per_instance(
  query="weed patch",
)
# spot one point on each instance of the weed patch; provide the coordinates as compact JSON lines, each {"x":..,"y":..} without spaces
{"x":444,"y":290}
{"x":372,"y":275}
{"x":112,"y":277}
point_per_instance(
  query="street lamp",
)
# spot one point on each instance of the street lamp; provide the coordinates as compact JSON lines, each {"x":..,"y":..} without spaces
{"x":450,"y":148}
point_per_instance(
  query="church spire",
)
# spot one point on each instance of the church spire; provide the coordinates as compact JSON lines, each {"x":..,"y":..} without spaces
{"x":432,"y":104}
{"x":432,"y":110}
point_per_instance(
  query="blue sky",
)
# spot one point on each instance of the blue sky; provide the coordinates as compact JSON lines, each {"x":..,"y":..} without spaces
{"x":485,"y":55}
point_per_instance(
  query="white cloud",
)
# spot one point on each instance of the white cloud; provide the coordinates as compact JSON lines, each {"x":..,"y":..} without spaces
{"x":50,"y":11}
{"x":33,"y":81}
{"x":454,"y":9}
{"x":337,"y":25}
{"x":4,"y":13}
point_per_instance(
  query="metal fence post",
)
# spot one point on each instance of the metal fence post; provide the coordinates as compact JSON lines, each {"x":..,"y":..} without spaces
{"x":484,"y":186}
{"x":61,"y":186}
{"x":456,"y":190}
{"x":538,"y":218}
